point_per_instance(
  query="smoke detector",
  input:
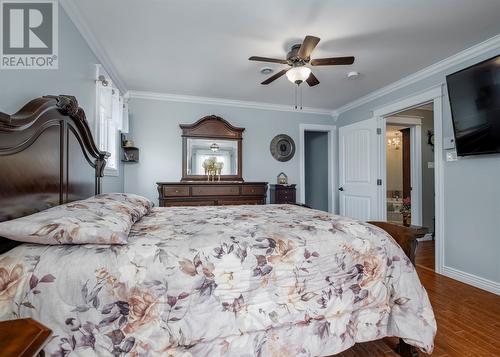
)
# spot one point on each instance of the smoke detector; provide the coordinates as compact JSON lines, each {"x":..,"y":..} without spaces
{"x":266,"y":70}
{"x":353,"y":75}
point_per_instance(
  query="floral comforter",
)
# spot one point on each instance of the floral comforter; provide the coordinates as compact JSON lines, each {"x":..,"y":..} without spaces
{"x":275,"y":280}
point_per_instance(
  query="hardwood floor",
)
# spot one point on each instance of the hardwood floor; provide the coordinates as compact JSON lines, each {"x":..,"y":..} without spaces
{"x":468,"y":318}
{"x":425,"y":257}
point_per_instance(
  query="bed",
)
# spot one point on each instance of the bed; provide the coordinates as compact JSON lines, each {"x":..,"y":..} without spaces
{"x":271,"y":280}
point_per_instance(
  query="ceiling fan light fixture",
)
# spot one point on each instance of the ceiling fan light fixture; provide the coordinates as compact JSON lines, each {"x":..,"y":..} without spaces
{"x":298,"y":75}
{"x":214,"y":147}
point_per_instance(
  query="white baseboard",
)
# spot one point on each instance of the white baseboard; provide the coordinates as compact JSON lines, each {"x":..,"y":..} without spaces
{"x":471,"y":279}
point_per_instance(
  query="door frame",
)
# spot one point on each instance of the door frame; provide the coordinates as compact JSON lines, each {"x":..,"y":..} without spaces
{"x":434,"y":95}
{"x":332,"y":142}
{"x":415,"y":125}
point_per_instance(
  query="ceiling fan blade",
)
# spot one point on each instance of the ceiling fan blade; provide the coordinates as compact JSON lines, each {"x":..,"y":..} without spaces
{"x":334,"y":61}
{"x":312,"y":80}
{"x":309,"y":44}
{"x":265,"y":59}
{"x":275,"y":77}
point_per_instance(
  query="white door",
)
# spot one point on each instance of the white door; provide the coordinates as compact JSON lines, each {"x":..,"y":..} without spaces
{"x":358,"y":169}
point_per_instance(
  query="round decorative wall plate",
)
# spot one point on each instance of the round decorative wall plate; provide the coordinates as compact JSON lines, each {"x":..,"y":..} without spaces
{"x":282,"y":147}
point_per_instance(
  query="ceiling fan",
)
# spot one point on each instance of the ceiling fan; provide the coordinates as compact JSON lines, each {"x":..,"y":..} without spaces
{"x":297,"y":58}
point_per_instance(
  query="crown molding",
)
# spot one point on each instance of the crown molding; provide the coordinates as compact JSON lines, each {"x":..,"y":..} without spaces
{"x":74,"y":14}
{"x":225,"y":102}
{"x":456,"y":59}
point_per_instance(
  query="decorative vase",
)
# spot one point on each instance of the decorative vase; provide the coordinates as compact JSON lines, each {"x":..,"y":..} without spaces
{"x":406,"y":220}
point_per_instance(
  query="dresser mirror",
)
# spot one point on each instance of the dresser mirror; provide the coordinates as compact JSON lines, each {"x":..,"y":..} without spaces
{"x":211,"y":150}
{"x":200,"y":152}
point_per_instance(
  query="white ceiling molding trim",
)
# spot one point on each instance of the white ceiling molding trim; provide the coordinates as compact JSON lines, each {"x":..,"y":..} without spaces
{"x":443,"y":65}
{"x":74,"y":14}
{"x":225,"y":102}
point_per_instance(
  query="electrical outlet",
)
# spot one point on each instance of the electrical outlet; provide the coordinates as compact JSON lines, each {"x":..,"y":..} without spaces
{"x":430,"y":164}
{"x":451,"y":155}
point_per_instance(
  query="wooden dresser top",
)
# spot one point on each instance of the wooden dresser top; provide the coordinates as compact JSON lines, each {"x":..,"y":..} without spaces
{"x":197,"y":183}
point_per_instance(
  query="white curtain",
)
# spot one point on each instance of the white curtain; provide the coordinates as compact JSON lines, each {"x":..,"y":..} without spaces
{"x":104,"y":114}
{"x":117,"y":109}
{"x":125,"y":118}
{"x":111,"y":118}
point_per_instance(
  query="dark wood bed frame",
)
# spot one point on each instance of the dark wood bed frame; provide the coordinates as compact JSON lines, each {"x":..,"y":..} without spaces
{"x":48,"y":157}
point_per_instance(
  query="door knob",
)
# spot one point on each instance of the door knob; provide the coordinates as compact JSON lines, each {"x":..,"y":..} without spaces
{"x":341,"y":189}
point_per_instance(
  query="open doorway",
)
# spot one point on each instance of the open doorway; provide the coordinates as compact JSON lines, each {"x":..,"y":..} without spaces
{"x":362,"y":173}
{"x":316,"y":169}
{"x":316,"y":154}
{"x":398,"y":173}
{"x":410,"y":176}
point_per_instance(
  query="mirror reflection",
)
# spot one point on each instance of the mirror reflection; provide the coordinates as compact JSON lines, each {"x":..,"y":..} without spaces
{"x":212,"y":156}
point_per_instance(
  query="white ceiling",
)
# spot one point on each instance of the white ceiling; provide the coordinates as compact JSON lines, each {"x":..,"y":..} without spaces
{"x":200,"y":47}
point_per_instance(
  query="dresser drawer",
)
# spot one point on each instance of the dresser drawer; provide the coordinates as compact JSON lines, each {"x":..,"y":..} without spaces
{"x":253,"y":190}
{"x":172,"y":194}
{"x":285,"y":196}
{"x":175,"y":191}
{"x":215,"y":190}
{"x":284,"y":193}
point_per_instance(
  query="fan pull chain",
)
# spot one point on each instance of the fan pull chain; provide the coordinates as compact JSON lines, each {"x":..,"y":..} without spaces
{"x":296,"y":98}
{"x":300,"y":97}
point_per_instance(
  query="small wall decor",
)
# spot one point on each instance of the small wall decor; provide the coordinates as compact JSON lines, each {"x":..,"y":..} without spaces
{"x":125,"y":141}
{"x":282,"y":147}
{"x":130,"y":152}
{"x":430,"y":138}
{"x":282,"y":179}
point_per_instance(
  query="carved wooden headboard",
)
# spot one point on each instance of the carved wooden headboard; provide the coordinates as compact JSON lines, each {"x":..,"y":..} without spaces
{"x":47,"y":157}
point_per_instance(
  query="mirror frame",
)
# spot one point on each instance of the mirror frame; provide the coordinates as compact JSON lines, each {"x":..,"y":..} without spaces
{"x":211,"y":127}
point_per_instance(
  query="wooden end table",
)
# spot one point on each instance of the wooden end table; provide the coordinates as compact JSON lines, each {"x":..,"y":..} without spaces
{"x":23,"y":338}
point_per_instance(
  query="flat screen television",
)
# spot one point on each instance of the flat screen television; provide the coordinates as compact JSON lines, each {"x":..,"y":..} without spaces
{"x":474,"y":94}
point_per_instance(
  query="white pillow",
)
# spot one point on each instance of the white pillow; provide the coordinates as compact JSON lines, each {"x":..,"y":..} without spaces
{"x":102,"y":219}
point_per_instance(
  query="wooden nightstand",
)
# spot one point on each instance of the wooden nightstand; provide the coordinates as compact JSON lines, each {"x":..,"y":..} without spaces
{"x":282,"y":194}
{"x":23,"y":338}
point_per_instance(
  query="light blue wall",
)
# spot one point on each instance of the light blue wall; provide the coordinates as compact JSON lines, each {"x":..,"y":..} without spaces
{"x":316,"y":169}
{"x":75,"y":76}
{"x":471,"y":189}
{"x":154,"y":127}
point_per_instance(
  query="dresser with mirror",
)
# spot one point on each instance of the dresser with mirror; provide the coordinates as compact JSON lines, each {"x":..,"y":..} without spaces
{"x":211,"y":168}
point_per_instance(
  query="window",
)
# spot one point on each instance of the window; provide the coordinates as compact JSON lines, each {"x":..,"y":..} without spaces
{"x":109,"y":121}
